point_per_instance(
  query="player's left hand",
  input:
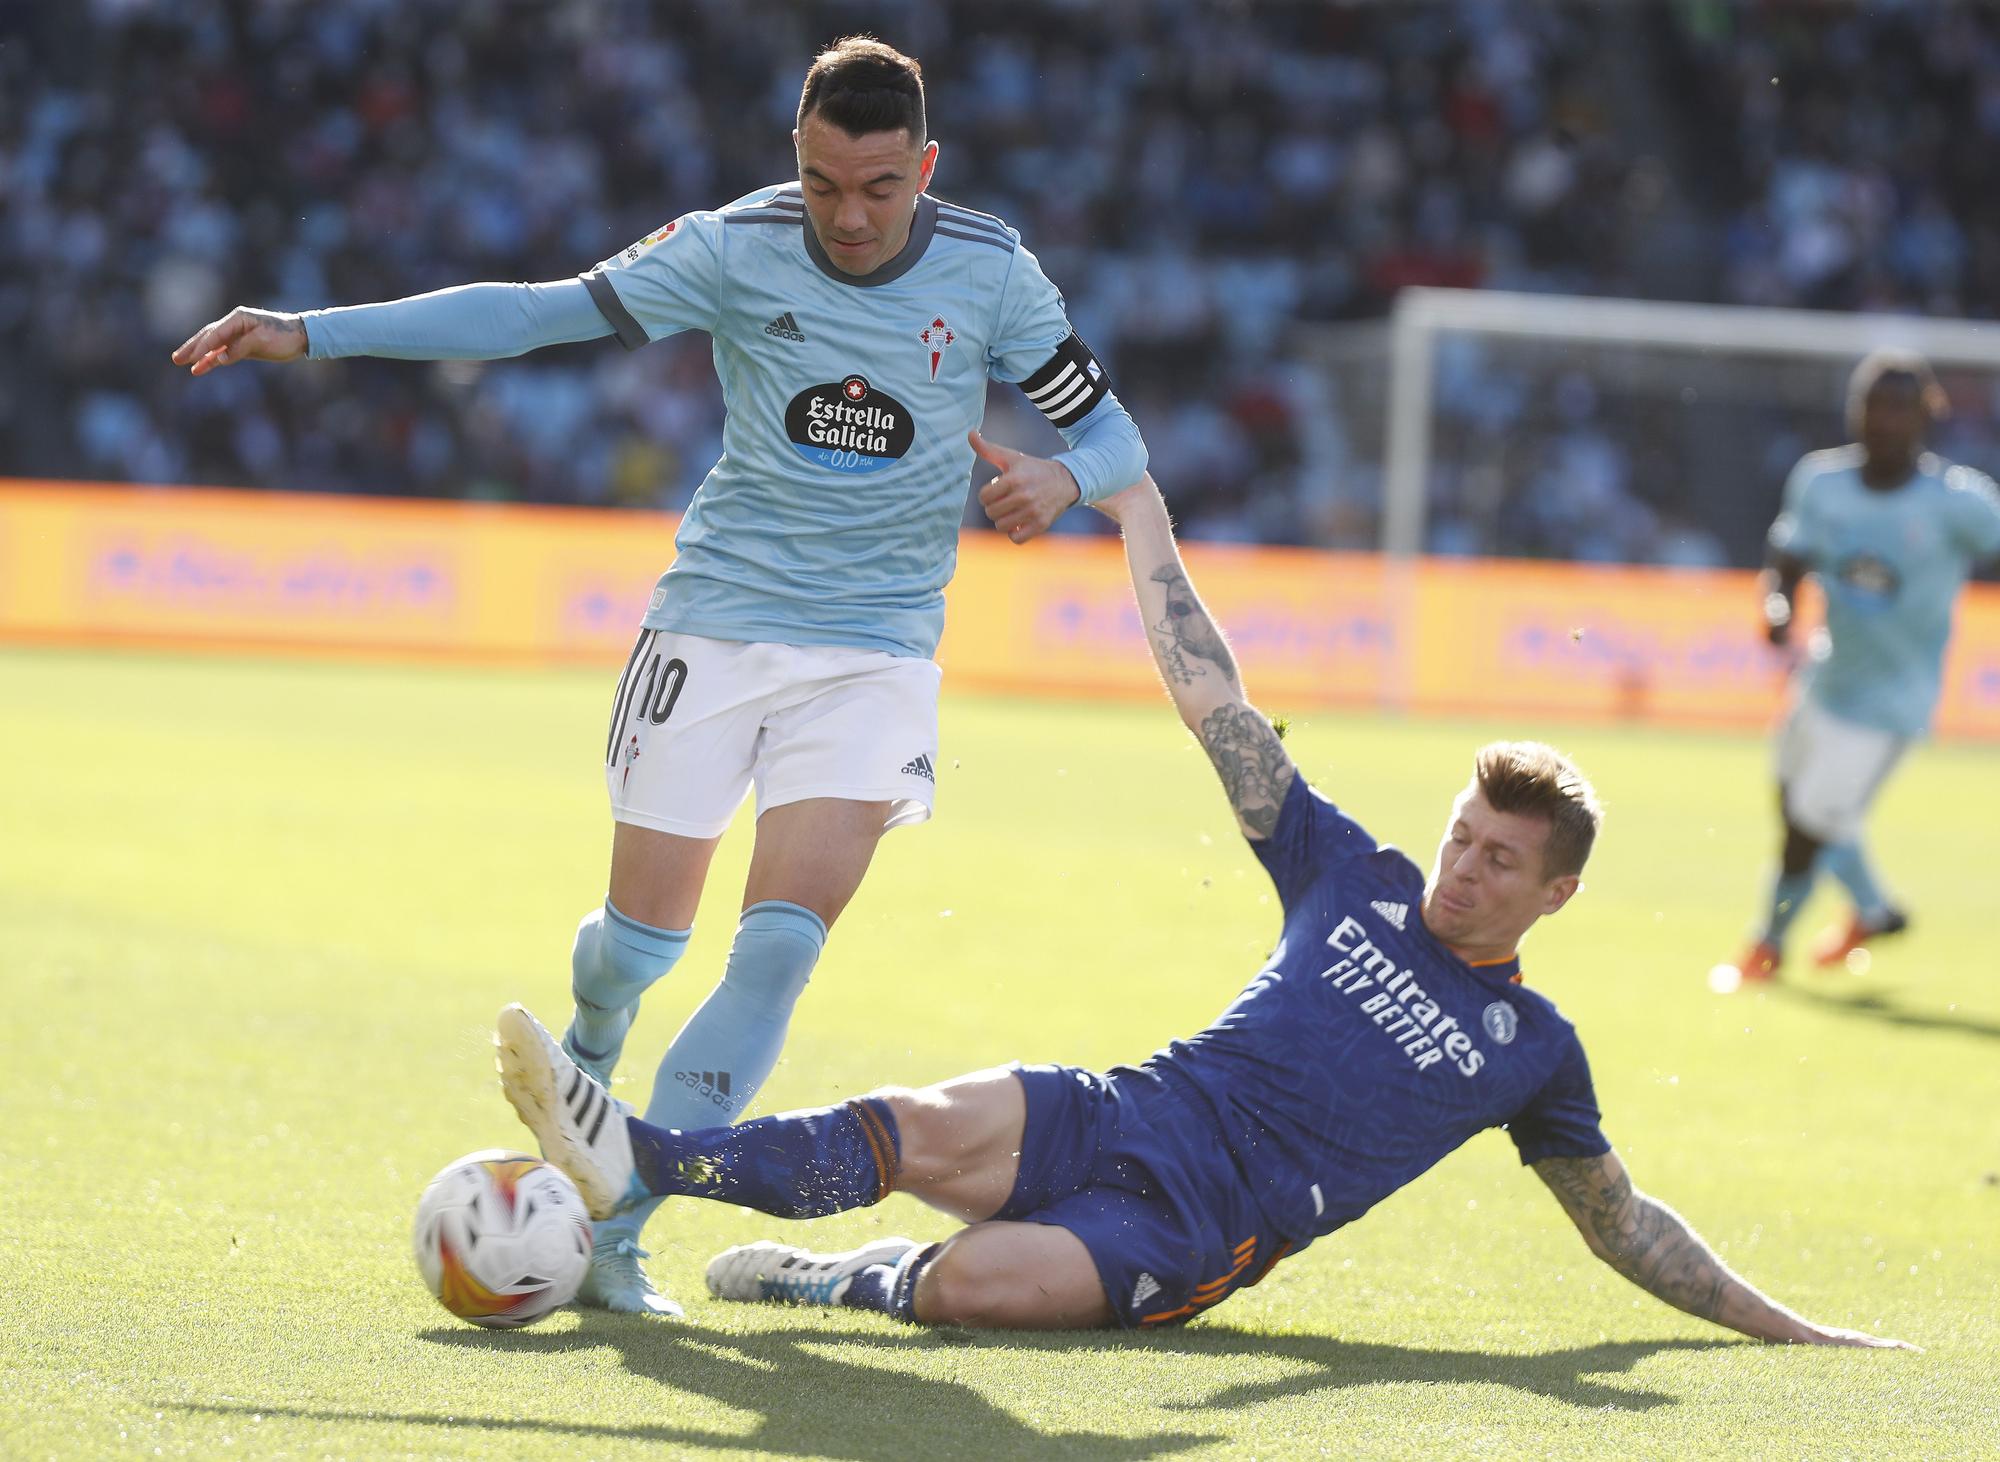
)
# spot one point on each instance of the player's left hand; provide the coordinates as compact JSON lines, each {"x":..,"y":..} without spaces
{"x":1859,"y":1339}
{"x":1029,"y":494}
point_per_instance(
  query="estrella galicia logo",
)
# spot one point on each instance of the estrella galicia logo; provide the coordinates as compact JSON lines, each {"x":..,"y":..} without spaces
{"x":1870,"y":575}
{"x":849,"y":426}
{"x":1500,"y":1021}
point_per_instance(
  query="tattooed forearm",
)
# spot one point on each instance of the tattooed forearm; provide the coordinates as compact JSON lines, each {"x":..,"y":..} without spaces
{"x":1663,"y":1256}
{"x":1186,"y":639}
{"x":1642,"y":1238}
{"x":1255,"y":771}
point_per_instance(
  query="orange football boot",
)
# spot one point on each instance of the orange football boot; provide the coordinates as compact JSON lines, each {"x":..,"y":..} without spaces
{"x":1836,"y":945}
{"x":1759,"y":962}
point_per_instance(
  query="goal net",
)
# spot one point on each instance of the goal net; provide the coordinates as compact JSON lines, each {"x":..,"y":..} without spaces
{"x":1542,"y":426}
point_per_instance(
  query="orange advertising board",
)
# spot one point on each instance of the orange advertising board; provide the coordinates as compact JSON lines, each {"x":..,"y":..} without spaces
{"x":298,"y":572}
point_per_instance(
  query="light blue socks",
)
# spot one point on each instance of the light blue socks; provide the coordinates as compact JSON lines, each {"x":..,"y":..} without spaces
{"x":730,"y":1045}
{"x":1788,"y":895}
{"x":1846,"y":862}
{"x":615,"y":960}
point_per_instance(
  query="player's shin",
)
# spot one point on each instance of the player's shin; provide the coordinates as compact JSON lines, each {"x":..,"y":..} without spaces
{"x":1849,"y":863}
{"x":729,"y":1046}
{"x":614,"y":961}
{"x":804,"y":1164}
{"x":1789,"y":892}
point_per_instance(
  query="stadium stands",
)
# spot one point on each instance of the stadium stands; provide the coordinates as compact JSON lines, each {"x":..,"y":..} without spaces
{"x":1201,"y":179}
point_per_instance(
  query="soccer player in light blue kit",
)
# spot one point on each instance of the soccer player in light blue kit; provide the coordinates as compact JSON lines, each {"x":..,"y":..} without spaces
{"x":1891,"y":533}
{"x":1388,"y":1026}
{"x":856,"y":320}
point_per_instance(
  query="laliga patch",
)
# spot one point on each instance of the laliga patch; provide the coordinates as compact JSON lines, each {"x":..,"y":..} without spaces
{"x":632,"y":254}
{"x":849,"y":426}
{"x":1500,"y":1021}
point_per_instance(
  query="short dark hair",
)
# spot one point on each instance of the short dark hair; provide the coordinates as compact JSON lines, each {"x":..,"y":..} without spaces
{"x":1536,"y":780}
{"x":862,"y":85}
{"x":1903,"y":367}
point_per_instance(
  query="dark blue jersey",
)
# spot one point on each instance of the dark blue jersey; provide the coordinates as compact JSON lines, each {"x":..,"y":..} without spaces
{"x":1364,"y":1051}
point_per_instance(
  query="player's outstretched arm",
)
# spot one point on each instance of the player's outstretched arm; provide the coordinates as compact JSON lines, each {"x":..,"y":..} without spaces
{"x":1652,"y":1246}
{"x":466,"y":322}
{"x":1196,"y":665}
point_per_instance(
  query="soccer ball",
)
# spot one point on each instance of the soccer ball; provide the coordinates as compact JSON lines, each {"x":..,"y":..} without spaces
{"x":502,"y":1238}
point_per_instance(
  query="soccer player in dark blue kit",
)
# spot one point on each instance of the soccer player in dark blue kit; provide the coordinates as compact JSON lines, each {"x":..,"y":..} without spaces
{"x":1388,"y":1026}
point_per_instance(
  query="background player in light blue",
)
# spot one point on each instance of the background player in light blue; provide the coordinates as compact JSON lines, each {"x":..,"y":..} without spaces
{"x":1388,"y":1026}
{"x":856,"y":320}
{"x":1891,"y":533}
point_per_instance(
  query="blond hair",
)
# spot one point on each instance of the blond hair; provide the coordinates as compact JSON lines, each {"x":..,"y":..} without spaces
{"x":1536,"y":780}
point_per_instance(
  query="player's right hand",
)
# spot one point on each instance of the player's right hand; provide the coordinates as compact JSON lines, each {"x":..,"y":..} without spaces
{"x":243,"y":334}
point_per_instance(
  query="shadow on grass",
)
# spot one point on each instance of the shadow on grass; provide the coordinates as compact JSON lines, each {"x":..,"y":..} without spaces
{"x":810,"y":1402}
{"x":1568,"y":1376}
{"x":1873,"y":1005}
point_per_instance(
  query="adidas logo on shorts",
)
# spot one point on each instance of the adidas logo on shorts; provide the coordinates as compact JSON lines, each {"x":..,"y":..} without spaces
{"x":920,"y":766}
{"x":786,"y":328}
{"x":1144,"y":1290}
{"x":1397,"y":914}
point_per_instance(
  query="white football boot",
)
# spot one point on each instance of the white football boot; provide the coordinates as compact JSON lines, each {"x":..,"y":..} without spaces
{"x":579,"y":1127}
{"x":788,"y":1275}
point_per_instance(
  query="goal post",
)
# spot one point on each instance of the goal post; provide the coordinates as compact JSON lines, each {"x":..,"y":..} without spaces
{"x":1673,"y":337}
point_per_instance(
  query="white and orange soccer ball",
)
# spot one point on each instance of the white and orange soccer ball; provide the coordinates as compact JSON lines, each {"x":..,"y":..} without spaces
{"x":502,"y":1238}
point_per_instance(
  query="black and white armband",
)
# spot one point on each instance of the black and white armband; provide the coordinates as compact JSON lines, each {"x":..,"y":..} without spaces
{"x":1070,"y":385}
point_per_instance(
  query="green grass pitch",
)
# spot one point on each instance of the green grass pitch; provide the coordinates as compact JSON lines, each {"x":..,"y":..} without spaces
{"x":256,"y":917}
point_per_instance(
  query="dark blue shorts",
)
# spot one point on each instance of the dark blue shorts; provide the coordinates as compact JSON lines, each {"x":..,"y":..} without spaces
{"x":1133,"y":1166}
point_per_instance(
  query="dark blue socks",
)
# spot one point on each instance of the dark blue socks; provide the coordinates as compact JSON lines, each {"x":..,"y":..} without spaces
{"x":794,"y":1165}
{"x":891,"y":1288}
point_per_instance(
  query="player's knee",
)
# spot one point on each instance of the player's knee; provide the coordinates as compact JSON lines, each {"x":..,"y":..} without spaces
{"x":960,"y":1287}
{"x":922,"y":1135}
{"x":1800,"y":849}
{"x":613,"y":964}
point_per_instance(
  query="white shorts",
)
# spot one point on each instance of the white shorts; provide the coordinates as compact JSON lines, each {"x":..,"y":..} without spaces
{"x":697,"y":722}
{"x":1831,"y":768}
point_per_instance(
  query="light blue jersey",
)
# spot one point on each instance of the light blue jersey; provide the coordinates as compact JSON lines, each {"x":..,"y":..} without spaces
{"x":832,"y":518}
{"x":1891,"y":564}
{"x":833,"y":515}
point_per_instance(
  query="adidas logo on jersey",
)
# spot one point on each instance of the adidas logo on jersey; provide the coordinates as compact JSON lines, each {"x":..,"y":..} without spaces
{"x":1144,"y":1290}
{"x":1397,"y":914}
{"x":920,"y":766}
{"x":786,"y":328}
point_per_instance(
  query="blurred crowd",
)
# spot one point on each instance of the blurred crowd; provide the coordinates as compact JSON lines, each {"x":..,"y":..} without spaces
{"x":1208,"y":182}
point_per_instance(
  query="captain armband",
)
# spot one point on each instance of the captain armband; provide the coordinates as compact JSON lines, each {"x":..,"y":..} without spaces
{"x":1070,"y":385}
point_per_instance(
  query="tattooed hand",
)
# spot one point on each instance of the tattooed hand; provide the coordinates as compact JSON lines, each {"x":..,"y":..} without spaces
{"x":243,"y":334}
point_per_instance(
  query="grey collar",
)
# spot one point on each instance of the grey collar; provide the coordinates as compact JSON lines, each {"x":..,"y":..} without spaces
{"x":922,"y":226}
